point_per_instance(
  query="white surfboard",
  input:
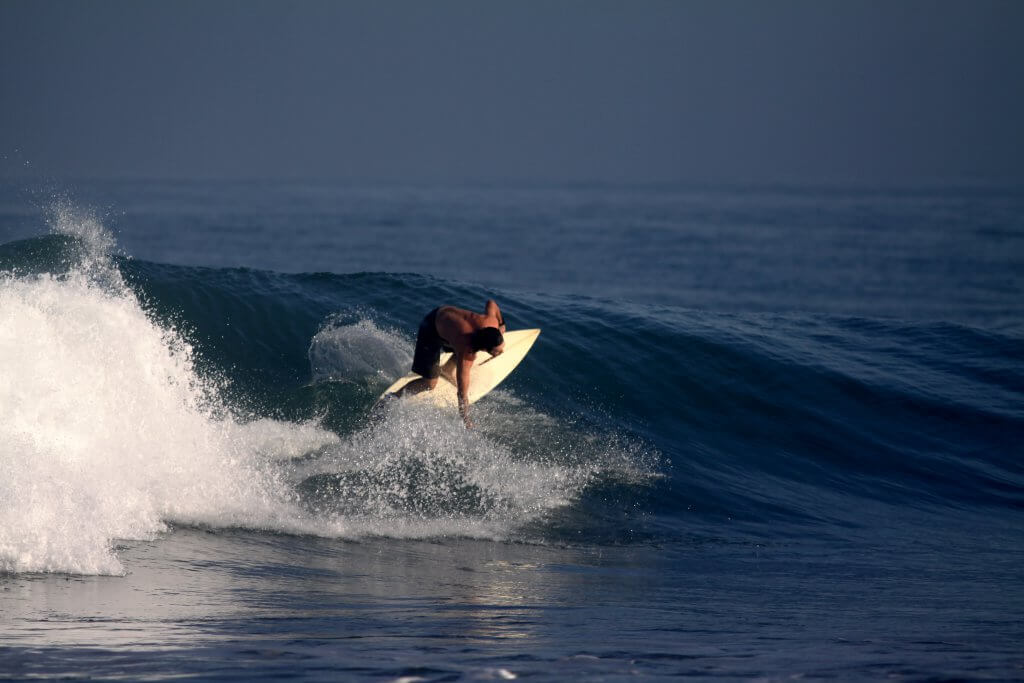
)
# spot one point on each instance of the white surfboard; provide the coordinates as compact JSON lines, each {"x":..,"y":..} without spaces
{"x":488,"y":372}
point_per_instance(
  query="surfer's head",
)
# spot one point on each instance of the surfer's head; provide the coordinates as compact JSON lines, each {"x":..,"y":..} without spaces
{"x":488,"y":339}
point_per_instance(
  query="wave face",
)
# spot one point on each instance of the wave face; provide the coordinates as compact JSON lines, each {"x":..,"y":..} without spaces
{"x":139,"y":395}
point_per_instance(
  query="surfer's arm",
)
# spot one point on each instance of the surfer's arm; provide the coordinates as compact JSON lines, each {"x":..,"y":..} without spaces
{"x":462,"y":382}
{"x":493,"y":310}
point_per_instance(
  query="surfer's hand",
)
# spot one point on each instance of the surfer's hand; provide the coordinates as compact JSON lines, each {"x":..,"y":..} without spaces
{"x":464,"y":408}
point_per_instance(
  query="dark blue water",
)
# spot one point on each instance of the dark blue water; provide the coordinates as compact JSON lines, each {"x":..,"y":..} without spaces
{"x":765,"y":432}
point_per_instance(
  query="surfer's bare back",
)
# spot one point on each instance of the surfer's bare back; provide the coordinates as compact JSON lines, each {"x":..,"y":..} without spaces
{"x":462,"y":332}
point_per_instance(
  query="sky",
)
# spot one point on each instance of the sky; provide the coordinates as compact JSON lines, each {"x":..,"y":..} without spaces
{"x":634,"y":91}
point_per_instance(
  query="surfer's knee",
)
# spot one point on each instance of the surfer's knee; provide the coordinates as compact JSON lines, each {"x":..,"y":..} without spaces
{"x":431,"y":382}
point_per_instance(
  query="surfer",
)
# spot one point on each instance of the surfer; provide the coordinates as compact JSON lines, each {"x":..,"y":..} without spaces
{"x":462,"y":332}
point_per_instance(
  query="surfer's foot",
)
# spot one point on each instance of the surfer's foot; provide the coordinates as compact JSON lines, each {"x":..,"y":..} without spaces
{"x":418,"y":386}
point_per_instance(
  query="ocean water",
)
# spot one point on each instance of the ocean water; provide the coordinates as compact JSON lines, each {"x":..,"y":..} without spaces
{"x":767,"y":432}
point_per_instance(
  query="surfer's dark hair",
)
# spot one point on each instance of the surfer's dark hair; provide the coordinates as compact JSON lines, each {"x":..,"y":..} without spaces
{"x":487,"y":338}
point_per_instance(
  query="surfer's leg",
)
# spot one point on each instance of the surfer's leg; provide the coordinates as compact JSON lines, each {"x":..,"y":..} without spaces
{"x":448,"y":370}
{"x":426,"y":357}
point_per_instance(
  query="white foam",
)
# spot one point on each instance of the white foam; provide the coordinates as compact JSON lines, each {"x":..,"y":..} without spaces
{"x":109,"y":432}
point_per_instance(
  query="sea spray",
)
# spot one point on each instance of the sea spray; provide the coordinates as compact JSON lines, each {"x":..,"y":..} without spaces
{"x":343,"y":350}
{"x":420,"y":468}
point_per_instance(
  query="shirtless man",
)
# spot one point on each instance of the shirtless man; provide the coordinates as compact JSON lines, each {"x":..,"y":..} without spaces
{"x":463,"y":332}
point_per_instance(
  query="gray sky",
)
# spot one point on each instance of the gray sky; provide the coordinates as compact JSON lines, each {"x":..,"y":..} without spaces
{"x":526,"y":91}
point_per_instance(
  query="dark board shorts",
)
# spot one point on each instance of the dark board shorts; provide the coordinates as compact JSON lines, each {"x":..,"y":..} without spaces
{"x":429,"y":345}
